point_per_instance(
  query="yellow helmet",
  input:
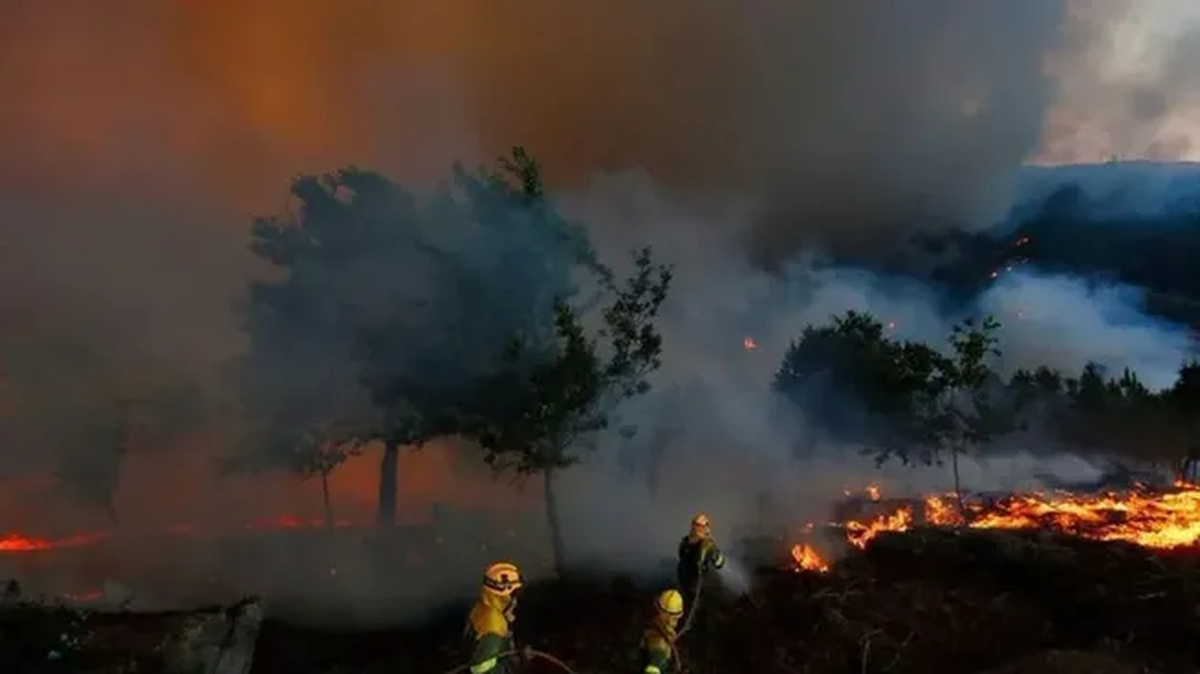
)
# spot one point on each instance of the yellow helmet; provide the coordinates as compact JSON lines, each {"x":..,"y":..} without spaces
{"x":502,"y":578}
{"x":670,"y":602}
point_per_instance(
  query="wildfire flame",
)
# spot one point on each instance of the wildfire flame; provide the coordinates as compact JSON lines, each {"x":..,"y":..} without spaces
{"x":1162,"y":521}
{"x":807,"y":559}
{"x":14,"y":542}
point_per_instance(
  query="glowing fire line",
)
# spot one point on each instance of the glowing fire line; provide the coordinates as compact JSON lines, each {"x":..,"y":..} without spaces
{"x":1154,"y":520}
{"x":14,"y":542}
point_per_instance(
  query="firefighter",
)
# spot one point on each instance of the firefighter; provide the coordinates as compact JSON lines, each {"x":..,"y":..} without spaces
{"x":698,"y":555}
{"x":658,"y":643}
{"x":491,"y":618}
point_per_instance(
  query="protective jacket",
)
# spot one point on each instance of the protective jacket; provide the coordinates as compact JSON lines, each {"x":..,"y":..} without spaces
{"x":489,"y":626}
{"x":658,"y":650}
{"x":697,"y":556}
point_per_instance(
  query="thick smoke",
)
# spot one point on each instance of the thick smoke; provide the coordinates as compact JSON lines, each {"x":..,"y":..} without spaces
{"x":743,"y":139}
{"x":1132,"y":92}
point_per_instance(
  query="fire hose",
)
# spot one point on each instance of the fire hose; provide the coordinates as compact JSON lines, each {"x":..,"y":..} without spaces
{"x":526,"y":653}
{"x":695,"y":604}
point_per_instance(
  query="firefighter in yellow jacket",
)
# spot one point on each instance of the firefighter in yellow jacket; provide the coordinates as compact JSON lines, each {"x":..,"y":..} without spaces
{"x":698,"y":555}
{"x":491,"y":618}
{"x":658,"y":644}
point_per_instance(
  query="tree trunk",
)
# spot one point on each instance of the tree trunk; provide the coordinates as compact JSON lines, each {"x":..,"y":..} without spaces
{"x":327,"y":501}
{"x":962,"y":510}
{"x":556,"y":541}
{"x":386,"y":515}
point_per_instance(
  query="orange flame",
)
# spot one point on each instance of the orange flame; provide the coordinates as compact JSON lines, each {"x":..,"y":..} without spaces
{"x":13,"y":542}
{"x":1163,"y":521}
{"x":807,"y":559}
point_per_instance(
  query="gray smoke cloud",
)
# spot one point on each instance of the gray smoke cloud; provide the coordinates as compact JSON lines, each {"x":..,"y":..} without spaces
{"x":1129,"y":92}
{"x":713,"y":407}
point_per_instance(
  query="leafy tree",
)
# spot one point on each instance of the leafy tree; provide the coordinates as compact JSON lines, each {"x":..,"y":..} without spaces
{"x":95,"y":444}
{"x":1035,"y":400}
{"x":850,"y":378}
{"x":313,"y":451}
{"x":532,"y":256}
{"x":549,"y":400}
{"x":319,"y":459}
{"x":964,"y":413}
{"x":1183,"y":402}
{"x":1113,"y":416}
{"x":389,"y":308}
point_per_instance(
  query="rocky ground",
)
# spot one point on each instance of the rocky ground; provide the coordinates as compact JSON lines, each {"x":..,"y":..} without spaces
{"x":926,"y":601}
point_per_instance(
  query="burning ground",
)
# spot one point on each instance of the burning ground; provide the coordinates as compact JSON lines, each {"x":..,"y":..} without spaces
{"x":1033,"y":582}
{"x":1155,"y":519}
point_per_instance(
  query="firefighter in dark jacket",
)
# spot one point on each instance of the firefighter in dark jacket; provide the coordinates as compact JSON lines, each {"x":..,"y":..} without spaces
{"x":658,"y":643}
{"x":491,"y":618}
{"x":698,"y":555}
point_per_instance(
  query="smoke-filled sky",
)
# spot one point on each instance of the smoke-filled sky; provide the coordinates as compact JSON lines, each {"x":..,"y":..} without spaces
{"x":138,"y":136}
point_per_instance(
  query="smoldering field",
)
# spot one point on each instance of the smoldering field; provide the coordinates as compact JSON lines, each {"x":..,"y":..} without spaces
{"x":750,"y":143}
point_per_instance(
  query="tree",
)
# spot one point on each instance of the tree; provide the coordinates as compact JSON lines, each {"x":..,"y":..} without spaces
{"x":1183,"y":402}
{"x":388,"y":307}
{"x":90,"y":465}
{"x":316,"y":450}
{"x":851,"y":379}
{"x":319,"y":459}
{"x":548,"y":400}
{"x":1035,"y":400}
{"x":963,"y":414}
{"x":85,"y":409}
{"x":530,"y":260}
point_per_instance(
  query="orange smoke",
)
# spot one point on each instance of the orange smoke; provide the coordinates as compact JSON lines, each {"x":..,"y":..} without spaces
{"x":180,"y":492}
{"x":240,"y":95}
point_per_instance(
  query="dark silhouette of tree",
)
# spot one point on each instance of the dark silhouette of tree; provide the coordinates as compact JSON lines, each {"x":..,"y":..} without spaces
{"x":85,"y":409}
{"x":550,"y":399}
{"x":908,"y":401}
{"x":1035,"y":398}
{"x":858,"y":384}
{"x":315,"y":450}
{"x":91,"y":462}
{"x":964,"y":412}
{"x":388,"y":308}
{"x":1183,"y":404}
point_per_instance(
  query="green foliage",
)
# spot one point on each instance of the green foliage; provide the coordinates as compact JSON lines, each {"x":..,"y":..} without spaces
{"x":920,"y":405}
{"x":547,"y":399}
{"x":390,"y":309}
{"x":850,"y":377}
{"x":963,"y":412}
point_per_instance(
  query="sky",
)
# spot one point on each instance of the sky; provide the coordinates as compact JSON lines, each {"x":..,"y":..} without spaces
{"x":1145,"y":41}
